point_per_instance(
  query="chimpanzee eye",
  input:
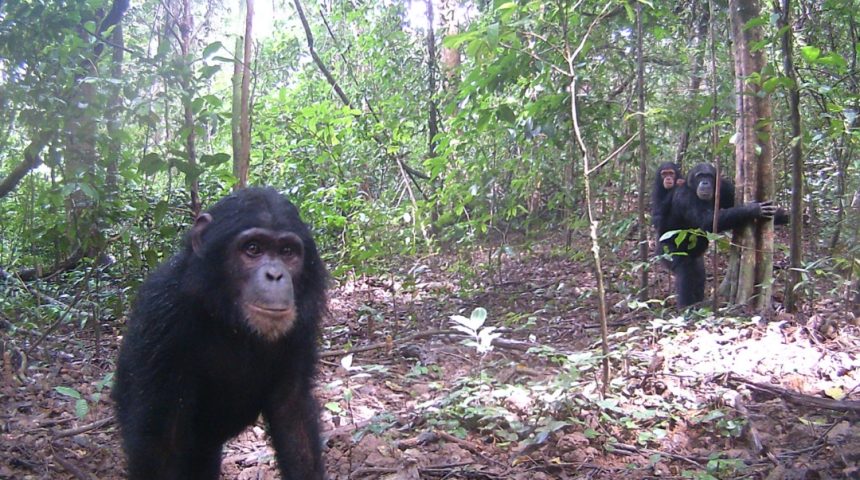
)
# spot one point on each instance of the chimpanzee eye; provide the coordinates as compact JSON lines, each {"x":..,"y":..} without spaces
{"x":287,"y":251}
{"x":252,"y":249}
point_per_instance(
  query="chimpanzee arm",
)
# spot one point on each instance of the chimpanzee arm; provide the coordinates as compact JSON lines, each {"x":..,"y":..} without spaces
{"x":292,"y":417}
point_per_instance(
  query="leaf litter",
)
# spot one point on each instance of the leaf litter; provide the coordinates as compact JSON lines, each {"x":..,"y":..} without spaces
{"x":453,"y":367}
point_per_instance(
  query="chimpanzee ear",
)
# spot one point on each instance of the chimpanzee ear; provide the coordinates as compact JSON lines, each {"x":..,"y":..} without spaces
{"x":200,"y":225}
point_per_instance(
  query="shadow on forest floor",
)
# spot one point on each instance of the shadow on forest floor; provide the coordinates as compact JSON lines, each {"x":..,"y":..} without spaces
{"x":691,"y":396}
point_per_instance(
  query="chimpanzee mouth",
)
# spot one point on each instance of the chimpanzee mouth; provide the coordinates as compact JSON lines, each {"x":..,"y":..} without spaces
{"x":269,"y":311}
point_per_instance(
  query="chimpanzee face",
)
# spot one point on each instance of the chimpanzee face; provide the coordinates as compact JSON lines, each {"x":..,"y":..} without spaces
{"x":705,"y":186}
{"x":668,"y":176}
{"x":264,"y":265}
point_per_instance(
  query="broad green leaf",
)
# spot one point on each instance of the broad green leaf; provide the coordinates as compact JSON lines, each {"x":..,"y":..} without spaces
{"x":67,"y":391}
{"x":810,"y":53}
{"x":211,"y":49}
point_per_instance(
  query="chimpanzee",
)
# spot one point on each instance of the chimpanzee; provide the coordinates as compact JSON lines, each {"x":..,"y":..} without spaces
{"x":668,"y":175}
{"x":692,"y":206}
{"x":223,"y":331}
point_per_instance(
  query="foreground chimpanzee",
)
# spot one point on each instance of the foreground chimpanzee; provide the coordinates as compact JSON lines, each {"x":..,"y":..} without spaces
{"x":692,"y":206}
{"x":223,"y":331}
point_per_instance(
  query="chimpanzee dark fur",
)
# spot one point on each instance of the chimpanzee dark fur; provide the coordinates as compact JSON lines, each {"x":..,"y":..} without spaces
{"x":192,"y":372}
{"x":691,"y":206}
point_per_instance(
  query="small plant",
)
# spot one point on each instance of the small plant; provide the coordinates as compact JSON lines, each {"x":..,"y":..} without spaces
{"x":481,"y":337}
{"x":82,"y":405}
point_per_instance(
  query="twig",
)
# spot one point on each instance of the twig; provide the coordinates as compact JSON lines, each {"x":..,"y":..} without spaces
{"x":71,"y":467}
{"x":70,"y":432}
{"x":498,"y":342}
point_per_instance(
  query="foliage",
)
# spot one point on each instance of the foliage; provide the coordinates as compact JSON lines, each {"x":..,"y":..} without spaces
{"x":362,"y":173}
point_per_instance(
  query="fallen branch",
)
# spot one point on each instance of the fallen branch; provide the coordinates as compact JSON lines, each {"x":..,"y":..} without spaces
{"x":797,"y":398}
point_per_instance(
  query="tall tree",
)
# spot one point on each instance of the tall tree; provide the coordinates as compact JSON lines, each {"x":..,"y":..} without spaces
{"x":183,"y":20}
{"x":242,"y":115}
{"x":794,"y":277}
{"x":753,"y":159}
{"x":643,"y":155}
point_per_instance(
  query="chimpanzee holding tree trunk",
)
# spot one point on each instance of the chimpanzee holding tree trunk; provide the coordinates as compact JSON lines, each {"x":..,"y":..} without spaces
{"x":691,"y":206}
{"x":223,"y":331}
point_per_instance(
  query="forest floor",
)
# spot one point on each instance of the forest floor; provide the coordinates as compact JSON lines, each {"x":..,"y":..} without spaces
{"x":691,"y":396}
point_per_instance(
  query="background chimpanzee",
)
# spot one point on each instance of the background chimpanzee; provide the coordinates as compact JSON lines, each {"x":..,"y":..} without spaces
{"x":668,"y":175}
{"x":692,"y":206}
{"x":223,"y":331}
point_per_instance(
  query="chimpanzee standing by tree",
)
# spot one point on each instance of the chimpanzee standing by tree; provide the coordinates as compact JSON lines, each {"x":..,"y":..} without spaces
{"x":691,"y":206}
{"x":223,"y":331}
{"x":668,"y":176}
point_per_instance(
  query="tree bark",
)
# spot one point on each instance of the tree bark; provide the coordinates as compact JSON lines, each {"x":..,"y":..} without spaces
{"x":794,"y":277}
{"x":186,"y":27}
{"x":243,"y":161}
{"x":700,"y":28}
{"x":643,"y":156}
{"x":754,"y":160}
{"x":433,"y":118}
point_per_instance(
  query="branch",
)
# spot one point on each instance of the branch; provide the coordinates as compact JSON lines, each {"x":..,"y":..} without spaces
{"x":32,"y":159}
{"x":317,"y":59}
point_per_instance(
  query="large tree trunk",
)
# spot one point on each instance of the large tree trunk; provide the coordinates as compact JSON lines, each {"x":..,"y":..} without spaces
{"x":754,"y":160}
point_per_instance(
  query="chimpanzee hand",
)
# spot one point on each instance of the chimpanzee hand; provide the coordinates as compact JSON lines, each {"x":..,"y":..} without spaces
{"x":765,"y":209}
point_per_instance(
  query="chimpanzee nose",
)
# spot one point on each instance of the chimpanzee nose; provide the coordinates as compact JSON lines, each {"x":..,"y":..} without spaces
{"x":274,"y":274}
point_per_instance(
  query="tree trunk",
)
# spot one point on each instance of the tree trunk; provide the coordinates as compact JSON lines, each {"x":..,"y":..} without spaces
{"x":242,"y":162}
{"x":236,"y":120}
{"x":700,"y":29}
{"x":794,"y":277}
{"x":433,"y":118}
{"x":754,"y":160}
{"x":643,"y":157}
{"x":186,"y":27}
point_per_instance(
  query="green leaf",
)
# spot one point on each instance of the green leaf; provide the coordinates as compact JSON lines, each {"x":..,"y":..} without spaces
{"x":810,"y":53}
{"x":479,"y":315}
{"x":214,"y":160}
{"x":832,"y":59}
{"x":151,"y":163}
{"x":756,"y":22}
{"x":211,"y":49}
{"x":506,"y":114}
{"x":82,"y":408}
{"x":69,"y":392}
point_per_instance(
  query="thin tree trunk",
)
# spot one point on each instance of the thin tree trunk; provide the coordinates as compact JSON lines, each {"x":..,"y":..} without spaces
{"x":236,"y":120}
{"x":643,"y":156}
{"x":570,"y":57}
{"x":433,"y":119}
{"x":794,"y":277}
{"x":186,"y":27}
{"x":244,"y":161}
{"x":715,"y":141}
{"x":700,"y":28}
